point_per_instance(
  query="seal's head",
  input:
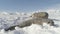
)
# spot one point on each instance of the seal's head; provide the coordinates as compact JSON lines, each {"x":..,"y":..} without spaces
{"x":51,"y":23}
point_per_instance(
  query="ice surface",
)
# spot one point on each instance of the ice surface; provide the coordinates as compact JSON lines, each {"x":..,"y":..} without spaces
{"x":10,"y":19}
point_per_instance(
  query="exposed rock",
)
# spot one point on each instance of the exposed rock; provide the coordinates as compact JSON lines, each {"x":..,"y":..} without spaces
{"x":40,"y":15}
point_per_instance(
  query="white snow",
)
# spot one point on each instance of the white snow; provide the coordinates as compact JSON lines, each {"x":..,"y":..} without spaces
{"x":10,"y":19}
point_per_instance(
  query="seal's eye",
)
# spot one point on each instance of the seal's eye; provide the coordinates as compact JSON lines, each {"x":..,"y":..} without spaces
{"x":48,"y":22}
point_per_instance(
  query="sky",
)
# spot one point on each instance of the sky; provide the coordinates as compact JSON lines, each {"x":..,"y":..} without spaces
{"x":28,"y":5}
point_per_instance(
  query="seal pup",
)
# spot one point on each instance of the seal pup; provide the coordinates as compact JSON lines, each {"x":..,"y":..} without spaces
{"x":38,"y":21}
{"x":37,"y":18}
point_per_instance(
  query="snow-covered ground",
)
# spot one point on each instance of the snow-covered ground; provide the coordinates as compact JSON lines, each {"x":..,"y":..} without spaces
{"x":10,"y":19}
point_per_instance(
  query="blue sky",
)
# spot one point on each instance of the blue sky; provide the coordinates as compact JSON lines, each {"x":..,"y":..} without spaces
{"x":28,"y":5}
